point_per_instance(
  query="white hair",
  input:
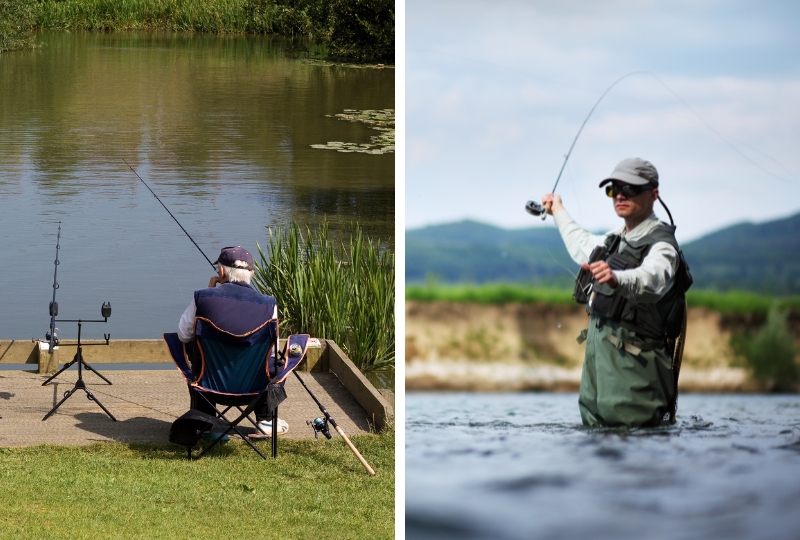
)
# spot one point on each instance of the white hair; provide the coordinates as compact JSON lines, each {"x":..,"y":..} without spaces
{"x":238,"y":274}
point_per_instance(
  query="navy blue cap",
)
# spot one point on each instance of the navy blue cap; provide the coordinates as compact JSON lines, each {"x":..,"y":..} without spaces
{"x":229,"y":255}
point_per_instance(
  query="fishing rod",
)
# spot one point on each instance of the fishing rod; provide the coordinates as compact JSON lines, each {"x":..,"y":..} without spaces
{"x":320,"y":426}
{"x":170,"y":213}
{"x":537,"y":209}
{"x":51,"y":336}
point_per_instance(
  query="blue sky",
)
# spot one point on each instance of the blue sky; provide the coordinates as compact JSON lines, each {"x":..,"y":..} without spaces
{"x":497,"y":90}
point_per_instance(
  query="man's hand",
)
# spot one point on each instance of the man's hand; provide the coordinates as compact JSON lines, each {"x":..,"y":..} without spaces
{"x":602,"y":273}
{"x":552,"y":203}
{"x":213,"y":282}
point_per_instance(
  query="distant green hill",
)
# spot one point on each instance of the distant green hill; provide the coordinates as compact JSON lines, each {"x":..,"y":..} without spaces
{"x":761,"y":258}
{"x":472,"y":252}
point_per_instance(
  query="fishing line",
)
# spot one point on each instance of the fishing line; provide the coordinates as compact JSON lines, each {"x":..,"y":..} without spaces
{"x":718,"y":134}
{"x":536,"y":209}
{"x":170,"y":213}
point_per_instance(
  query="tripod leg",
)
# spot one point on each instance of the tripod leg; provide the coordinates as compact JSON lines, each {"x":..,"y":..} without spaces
{"x":66,"y":395}
{"x":60,"y":371}
{"x":92,"y":398}
{"x":90,"y":368}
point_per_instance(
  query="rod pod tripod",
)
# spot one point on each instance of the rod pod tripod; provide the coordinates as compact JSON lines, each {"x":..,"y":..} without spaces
{"x":78,"y":359}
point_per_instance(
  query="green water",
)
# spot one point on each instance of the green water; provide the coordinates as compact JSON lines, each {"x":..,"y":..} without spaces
{"x":221,"y":128}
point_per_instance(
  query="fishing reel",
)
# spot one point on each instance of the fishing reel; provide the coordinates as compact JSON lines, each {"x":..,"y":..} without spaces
{"x":56,"y":336}
{"x":535,"y":209}
{"x":319,"y":425}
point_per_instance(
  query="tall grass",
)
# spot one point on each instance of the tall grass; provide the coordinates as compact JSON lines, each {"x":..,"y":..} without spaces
{"x":217,"y":16}
{"x":16,"y":25}
{"x":357,"y":30}
{"x":341,"y":292}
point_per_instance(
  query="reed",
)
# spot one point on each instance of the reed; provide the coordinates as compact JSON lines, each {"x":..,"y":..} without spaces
{"x":215,"y":16}
{"x":342,"y":29}
{"x":341,"y":292}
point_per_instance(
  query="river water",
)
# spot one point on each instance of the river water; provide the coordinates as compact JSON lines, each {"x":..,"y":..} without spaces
{"x":514,"y":466}
{"x":220,"y":128}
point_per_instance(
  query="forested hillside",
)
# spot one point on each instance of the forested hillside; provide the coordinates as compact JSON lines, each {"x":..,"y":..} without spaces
{"x":754,"y":257}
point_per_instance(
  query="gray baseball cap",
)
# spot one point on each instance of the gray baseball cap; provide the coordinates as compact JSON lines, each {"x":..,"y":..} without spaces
{"x":636,"y":171}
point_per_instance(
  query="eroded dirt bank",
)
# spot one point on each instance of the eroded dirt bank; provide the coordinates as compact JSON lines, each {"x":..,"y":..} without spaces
{"x":459,"y":346}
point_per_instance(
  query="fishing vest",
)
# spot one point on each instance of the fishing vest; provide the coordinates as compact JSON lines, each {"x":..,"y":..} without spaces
{"x":655,"y":322}
{"x":236,"y":308}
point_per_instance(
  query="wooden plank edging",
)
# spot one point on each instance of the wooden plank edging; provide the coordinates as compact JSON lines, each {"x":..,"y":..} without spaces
{"x":379,"y":411}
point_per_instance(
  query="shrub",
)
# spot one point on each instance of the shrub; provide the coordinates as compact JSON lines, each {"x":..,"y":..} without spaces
{"x":360,"y":30}
{"x":771,"y":351}
{"x":343,"y":293}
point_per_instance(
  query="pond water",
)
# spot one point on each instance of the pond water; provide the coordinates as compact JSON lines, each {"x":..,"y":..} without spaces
{"x":221,"y":128}
{"x":511,"y":466}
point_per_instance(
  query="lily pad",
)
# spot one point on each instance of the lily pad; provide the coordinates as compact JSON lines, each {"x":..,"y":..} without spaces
{"x":381,"y":120}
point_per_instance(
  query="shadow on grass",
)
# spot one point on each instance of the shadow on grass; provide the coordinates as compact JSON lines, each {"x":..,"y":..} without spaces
{"x":149,"y":437}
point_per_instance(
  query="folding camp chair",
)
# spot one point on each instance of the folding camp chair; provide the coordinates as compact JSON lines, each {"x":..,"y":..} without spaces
{"x":241,"y":371}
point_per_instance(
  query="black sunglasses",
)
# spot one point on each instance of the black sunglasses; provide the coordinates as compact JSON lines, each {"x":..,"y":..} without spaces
{"x":612,"y":190}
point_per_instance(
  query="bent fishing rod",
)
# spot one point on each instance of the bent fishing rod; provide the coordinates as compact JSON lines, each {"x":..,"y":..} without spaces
{"x":328,"y":417}
{"x":537,"y":209}
{"x":170,"y":213}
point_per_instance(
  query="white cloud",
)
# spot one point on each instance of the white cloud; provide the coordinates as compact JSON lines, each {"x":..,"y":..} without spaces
{"x":500,"y":134}
{"x":420,"y":151}
{"x":507,"y":85}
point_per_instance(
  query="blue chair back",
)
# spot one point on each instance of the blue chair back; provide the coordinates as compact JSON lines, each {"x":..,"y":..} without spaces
{"x":234,"y":364}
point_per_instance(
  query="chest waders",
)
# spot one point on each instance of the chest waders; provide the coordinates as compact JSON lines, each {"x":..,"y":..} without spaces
{"x":633,"y":348}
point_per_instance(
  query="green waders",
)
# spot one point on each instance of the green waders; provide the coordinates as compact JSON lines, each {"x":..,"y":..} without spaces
{"x":622,"y":385}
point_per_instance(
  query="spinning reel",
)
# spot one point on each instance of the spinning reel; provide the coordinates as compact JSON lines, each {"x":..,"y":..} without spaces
{"x":319,"y":425}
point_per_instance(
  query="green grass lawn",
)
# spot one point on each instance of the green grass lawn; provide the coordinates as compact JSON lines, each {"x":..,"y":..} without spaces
{"x":315,"y":489}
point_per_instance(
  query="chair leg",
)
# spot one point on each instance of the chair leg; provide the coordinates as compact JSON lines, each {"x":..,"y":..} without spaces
{"x":275,"y":432}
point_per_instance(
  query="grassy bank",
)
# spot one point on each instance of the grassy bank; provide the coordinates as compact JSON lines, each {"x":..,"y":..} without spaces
{"x":354,"y":30}
{"x":218,"y":16}
{"x":315,"y":489}
{"x":500,"y":293}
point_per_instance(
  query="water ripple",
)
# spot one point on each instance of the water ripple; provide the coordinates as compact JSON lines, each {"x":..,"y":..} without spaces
{"x":727,"y":469}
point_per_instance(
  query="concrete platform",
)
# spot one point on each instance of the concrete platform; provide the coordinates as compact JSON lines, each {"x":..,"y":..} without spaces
{"x":145,"y":403}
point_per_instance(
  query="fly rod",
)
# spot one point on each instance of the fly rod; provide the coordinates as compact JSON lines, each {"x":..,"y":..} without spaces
{"x":320,"y":426}
{"x":535,"y":208}
{"x":170,"y":214}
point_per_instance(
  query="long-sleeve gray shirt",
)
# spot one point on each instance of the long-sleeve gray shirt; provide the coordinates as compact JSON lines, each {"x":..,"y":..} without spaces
{"x":647,"y":283}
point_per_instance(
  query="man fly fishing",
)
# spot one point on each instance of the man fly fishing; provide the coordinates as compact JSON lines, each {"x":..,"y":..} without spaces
{"x":633,"y":281}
